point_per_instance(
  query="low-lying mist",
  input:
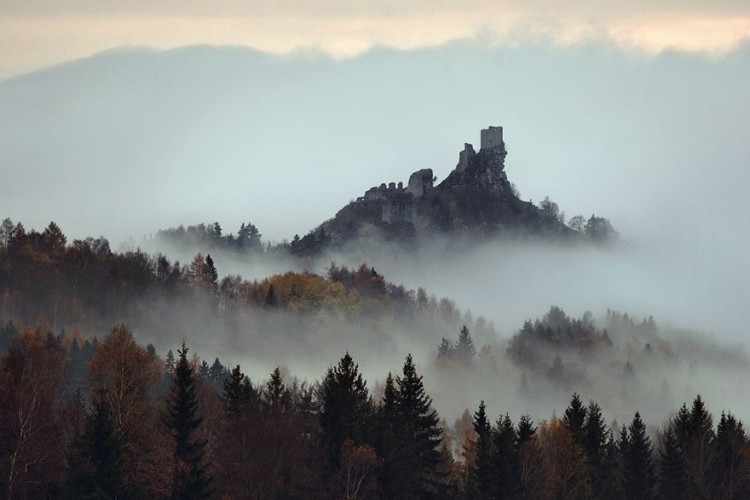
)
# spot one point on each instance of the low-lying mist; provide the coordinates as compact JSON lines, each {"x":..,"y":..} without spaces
{"x":509,"y":281}
{"x":696,"y":296}
{"x":697,"y":346}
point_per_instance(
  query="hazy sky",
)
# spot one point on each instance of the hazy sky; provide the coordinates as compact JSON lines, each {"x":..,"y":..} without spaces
{"x":36,"y":33}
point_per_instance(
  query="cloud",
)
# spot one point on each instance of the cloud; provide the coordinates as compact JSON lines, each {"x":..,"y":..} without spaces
{"x":41,"y":33}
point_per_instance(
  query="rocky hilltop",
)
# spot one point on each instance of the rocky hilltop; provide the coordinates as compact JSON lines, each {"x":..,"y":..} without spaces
{"x":476,"y":199}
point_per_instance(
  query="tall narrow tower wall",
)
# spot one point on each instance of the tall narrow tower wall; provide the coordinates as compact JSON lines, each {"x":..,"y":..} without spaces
{"x":492,"y":137}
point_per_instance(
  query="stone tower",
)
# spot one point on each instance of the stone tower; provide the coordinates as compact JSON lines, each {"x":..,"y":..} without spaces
{"x":492,"y":138}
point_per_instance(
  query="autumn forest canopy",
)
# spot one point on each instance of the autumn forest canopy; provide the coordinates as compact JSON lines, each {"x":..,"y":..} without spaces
{"x":108,"y":388}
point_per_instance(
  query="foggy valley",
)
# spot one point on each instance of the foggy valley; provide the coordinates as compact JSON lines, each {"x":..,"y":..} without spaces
{"x":289,"y":211}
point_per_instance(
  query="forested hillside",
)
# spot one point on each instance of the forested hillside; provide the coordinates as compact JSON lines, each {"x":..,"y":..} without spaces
{"x":92,"y":411}
{"x":113,"y":419}
{"x":85,"y":287}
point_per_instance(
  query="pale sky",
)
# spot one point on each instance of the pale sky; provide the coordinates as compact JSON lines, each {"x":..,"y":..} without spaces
{"x":38,"y":33}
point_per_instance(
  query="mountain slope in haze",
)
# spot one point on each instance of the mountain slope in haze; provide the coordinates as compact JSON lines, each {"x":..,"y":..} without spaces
{"x":208,"y":133}
{"x":476,"y":200}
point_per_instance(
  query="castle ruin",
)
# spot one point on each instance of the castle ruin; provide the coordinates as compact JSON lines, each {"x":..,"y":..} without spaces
{"x":492,"y":137}
{"x":398,"y":203}
{"x":465,"y":157}
{"x":420,"y":182}
{"x":491,"y":140}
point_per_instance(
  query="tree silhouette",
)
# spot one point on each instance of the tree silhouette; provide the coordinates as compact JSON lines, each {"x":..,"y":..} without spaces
{"x":465,"y":349}
{"x":481,"y":473}
{"x":594,"y":443}
{"x":190,"y":476}
{"x":421,"y":424}
{"x":238,"y":393}
{"x":275,"y":396}
{"x":445,"y":349}
{"x":640,"y":478}
{"x":100,"y":473}
{"x":673,"y":479}
{"x":505,"y":463}
{"x":54,"y":239}
{"x":575,"y":417}
{"x":346,"y":407}
{"x":729,"y":459}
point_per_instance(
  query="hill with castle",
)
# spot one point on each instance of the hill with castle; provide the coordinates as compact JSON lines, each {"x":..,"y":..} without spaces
{"x":475,"y":200}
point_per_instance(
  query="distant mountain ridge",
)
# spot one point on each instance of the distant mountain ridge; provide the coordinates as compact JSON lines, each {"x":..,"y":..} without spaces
{"x":141,"y":124}
{"x":475,"y":200}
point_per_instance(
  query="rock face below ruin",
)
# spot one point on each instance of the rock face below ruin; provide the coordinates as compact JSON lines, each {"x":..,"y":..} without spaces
{"x":475,"y":200}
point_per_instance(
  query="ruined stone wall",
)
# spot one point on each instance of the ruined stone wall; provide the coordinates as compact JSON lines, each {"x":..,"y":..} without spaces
{"x":399,"y":207}
{"x":397,"y":203}
{"x":465,"y":157}
{"x":420,"y":182}
{"x":483,"y":169}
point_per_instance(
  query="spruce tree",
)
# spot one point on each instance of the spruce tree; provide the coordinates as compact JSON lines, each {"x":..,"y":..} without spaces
{"x":481,"y":479}
{"x":681,"y":426}
{"x":190,"y":474}
{"x":204,"y":371}
{"x":693,"y":429}
{"x":618,"y":447}
{"x":612,"y":487}
{"x":346,"y":407}
{"x":505,"y":463}
{"x":673,"y":479}
{"x":216,"y":373}
{"x":527,"y":457}
{"x":556,"y":373}
{"x":96,"y":468}
{"x":698,"y":450}
{"x":169,"y":363}
{"x":639,"y":478}
{"x":421,"y":424}
{"x":525,"y":431}
{"x":238,"y":393}
{"x":53,"y":238}
{"x":105,"y":445}
{"x":391,"y":440}
{"x":728,"y":480}
{"x":465,"y":349}
{"x":211,"y":274}
{"x":445,"y":349}
{"x":594,"y":435}
{"x":575,"y":417}
{"x":390,"y":398}
{"x":275,"y":396}
{"x":623,"y":441}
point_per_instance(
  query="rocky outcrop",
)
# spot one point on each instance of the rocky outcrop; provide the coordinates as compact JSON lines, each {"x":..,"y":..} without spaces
{"x":485,"y":170}
{"x":475,"y":199}
{"x":420,"y":182}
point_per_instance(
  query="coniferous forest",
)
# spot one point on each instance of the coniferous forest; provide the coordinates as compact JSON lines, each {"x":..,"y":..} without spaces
{"x":89,"y":411}
{"x":112,"y":419}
